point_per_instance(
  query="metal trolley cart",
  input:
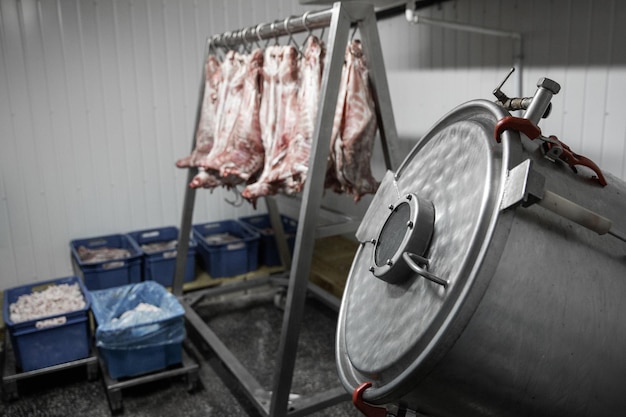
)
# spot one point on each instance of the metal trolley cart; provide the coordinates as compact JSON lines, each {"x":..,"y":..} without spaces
{"x":11,"y":375}
{"x":188,"y":368}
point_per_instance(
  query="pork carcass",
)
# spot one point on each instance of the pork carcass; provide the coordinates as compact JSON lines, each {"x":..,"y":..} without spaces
{"x":228,"y":101}
{"x":231,"y":95}
{"x":331,"y":181}
{"x":354,"y":128}
{"x":244,"y":153}
{"x":292,"y":170}
{"x":278,"y":114}
{"x":206,"y":126}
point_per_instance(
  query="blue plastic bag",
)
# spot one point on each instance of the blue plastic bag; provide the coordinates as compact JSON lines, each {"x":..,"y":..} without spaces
{"x":121,"y":326}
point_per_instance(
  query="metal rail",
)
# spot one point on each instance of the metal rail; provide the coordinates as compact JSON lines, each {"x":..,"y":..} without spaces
{"x":340,"y":18}
{"x":518,"y":58}
{"x":297,"y":24}
{"x":263,"y":31}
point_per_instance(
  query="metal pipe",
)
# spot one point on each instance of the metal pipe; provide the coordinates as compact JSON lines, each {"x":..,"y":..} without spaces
{"x":414,"y":18}
{"x":540,"y":103}
{"x":399,"y":10}
{"x":296,"y":24}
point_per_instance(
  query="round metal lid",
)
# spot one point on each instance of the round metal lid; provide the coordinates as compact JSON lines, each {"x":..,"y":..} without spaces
{"x":407,"y":284}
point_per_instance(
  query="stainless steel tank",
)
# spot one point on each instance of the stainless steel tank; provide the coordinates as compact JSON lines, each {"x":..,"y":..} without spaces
{"x":490,"y":279}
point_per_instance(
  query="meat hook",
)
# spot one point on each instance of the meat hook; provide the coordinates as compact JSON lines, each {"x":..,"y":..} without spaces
{"x":291,"y":38}
{"x":273,"y":29}
{"x":305,"y":16}
{"x":258,"y":35}
{"x":286,"y":26}
{"x":244,"y":42}
{"x":356,"y":26}
{"x":210,"y":47}
{"x":238,"y":201}
{"x":226,"y":40}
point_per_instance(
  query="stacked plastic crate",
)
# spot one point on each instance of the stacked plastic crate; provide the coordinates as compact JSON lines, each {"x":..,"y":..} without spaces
{"x":227,"y":248}
{"x":48,"y":323}
{"x":268,"y":250}
{"x":128,"y":258}
{"x":159,"y":250}
{"x":106,"y":261}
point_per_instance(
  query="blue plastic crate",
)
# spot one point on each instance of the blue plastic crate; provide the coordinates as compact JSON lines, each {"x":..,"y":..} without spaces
{"x":42,"y":347}
{"x":111,"y":273}
{"x":268,"y":250}
{"x":126,"y":363}
{"x":224,"y":258}
{"x":160,"y":265}
{"x":141,"y":343}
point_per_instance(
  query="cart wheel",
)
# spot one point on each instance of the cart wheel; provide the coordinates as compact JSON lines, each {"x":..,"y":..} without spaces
{"x":193,"y":381}
{"x":115,"y":401}
{"x":92,"y":371}
{"x":9,"y":391}
{"x":280,"y":299}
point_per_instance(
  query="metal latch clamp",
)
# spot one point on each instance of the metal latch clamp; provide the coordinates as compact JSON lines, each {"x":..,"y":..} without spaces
{"x":365,"y":408}
{"x":554,"y":148}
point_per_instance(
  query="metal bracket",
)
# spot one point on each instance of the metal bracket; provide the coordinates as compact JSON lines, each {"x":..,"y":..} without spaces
{"x":522,"y":185}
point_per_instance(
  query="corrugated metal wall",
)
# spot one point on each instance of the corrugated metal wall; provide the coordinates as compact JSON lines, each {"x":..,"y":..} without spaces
{"x":98,"y":99}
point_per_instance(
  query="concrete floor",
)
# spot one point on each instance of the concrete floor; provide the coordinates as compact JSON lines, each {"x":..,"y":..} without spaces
{"x":248,"y":323}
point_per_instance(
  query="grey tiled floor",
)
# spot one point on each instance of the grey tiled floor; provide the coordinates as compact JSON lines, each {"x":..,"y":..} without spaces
{"x":249,"y":324}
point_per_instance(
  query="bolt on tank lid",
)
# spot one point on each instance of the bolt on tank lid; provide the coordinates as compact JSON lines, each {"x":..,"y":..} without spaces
{"x":424,"y":239}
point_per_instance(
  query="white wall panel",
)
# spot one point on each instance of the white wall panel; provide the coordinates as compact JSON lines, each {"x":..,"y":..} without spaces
{"x":98,"y":99}
{"x":9,"y":221}
{"x":19,"y":191}
{"x":613,"y":148}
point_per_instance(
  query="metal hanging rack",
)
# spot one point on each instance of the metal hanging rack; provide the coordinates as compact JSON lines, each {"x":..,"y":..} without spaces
{"x":339,"y":19}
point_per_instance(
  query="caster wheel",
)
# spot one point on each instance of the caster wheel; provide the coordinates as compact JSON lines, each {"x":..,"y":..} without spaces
{"x":9,"y":392}
{"x":280,"y":299}
{"x":115,"y":401}
{"x":193,"y":382}
{"x":92,"y":371}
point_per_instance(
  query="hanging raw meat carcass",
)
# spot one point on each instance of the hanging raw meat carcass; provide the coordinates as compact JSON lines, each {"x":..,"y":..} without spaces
{"x":292,"y":170}
{"x":228,"y":102}
{"x":278,"y":114}
{"x":206,"y":127}
{"x":354,"y":129}
{"x":258,"y":120}
{"x":244,"y":153}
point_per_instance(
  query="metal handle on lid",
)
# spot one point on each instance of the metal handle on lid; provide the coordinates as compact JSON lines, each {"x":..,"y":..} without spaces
{"x":368,"y":410}
{"x":409,"y":259}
